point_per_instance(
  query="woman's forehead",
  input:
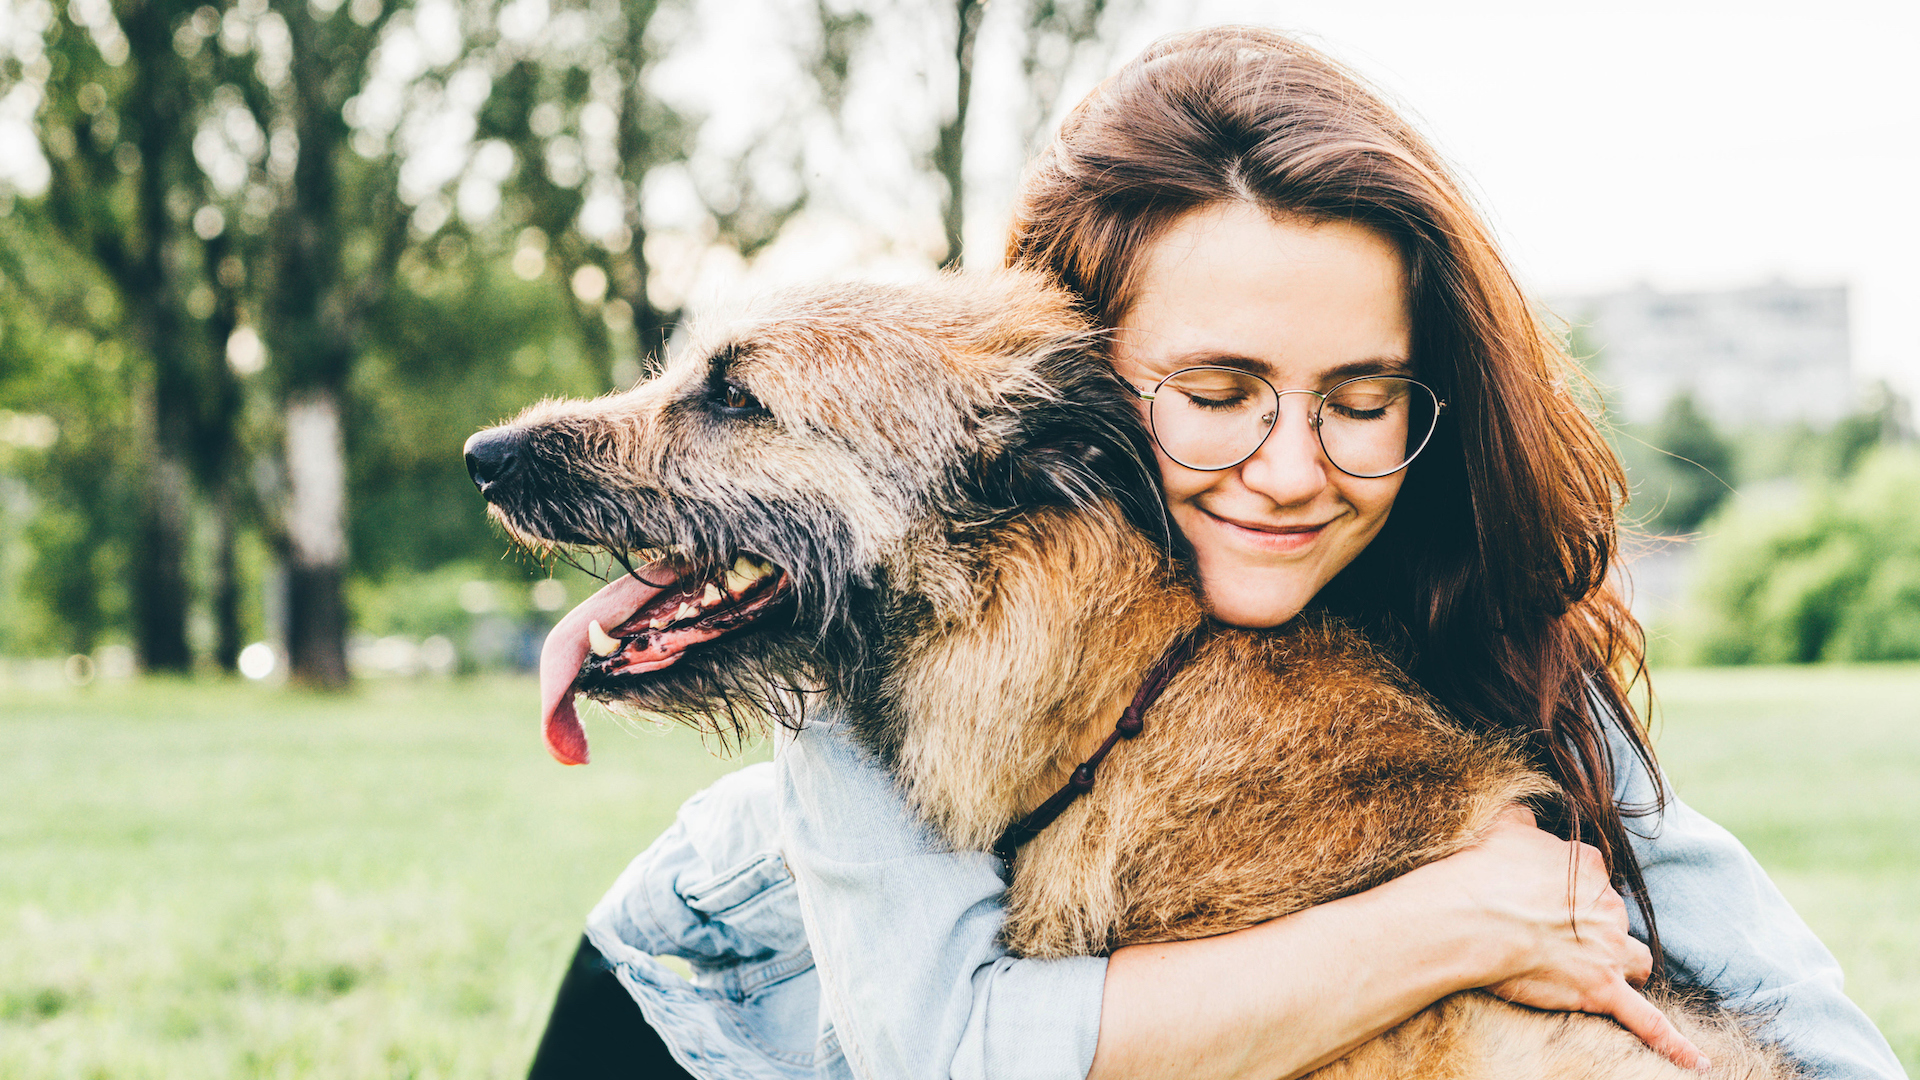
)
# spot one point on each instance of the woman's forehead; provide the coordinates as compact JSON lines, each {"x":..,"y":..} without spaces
{"x":1233,"y":286}
{"x":1292,"y":369}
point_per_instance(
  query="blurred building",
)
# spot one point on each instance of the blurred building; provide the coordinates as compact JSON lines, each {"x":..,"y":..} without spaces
{"x":1766,"y":355}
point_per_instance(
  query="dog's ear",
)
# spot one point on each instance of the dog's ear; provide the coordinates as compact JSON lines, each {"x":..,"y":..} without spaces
{"x":1083,"y":447}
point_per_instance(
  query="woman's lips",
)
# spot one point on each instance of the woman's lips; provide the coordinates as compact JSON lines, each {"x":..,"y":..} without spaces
{"x":1279,"y":539}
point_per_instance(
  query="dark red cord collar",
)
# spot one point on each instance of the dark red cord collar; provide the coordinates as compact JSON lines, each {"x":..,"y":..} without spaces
{"x":1130,"y":724}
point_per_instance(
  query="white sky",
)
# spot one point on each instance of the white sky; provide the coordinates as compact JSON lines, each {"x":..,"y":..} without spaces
{"x":1690,"y":144}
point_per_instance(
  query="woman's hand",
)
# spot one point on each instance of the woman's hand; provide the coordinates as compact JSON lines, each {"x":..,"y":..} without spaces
{"x":1522,"y":914}
{"x":1563,"y":926}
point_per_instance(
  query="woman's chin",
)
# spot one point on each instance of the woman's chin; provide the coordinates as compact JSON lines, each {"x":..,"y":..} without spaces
{"x":1255,"y":605}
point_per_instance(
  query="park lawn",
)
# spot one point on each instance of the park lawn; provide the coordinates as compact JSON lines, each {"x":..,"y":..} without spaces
{"x":221,"y":880}
{"x":1817,"y":769}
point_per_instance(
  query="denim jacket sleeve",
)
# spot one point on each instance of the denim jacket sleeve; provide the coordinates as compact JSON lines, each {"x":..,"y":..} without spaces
{"x":714,"y":892}
{"x":1724,"y":925}
{"x":830,"y":936}
{"x":906,"y":935}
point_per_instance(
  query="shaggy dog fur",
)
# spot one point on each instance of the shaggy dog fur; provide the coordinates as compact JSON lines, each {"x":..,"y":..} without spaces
{"x":973,"y":565}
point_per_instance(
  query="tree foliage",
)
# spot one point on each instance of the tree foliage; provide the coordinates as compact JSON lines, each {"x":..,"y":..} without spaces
{"x":1680,"y":471}
{"x":69,"y":459}
{"x":1832,"y":574}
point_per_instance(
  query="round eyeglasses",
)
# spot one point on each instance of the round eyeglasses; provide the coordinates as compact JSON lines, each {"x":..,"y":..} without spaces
{"x":1213,"y":418}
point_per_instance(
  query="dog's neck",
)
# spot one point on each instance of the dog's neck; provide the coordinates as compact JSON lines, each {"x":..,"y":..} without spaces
{"x":997,"y":703}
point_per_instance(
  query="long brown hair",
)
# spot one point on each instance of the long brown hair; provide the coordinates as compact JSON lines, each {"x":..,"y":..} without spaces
{"x":1492,"y":571}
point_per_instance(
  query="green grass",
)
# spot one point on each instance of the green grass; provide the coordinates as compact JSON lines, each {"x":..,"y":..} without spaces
{"x":230,"y":881}
{"x":1817,"y":769}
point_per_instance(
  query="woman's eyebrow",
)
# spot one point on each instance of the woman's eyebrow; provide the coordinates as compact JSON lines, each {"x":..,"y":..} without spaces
{"x":1352,"y":369}
{"x":1373,"y":365}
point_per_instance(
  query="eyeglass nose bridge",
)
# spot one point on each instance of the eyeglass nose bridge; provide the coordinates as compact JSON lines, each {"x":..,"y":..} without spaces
{"x":1314,"y":419}
{"x":1272,"y":419}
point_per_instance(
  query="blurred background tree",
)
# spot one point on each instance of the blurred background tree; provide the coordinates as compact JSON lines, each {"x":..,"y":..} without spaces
{"x":1828,"y":574}
{"x":1682,"y":468}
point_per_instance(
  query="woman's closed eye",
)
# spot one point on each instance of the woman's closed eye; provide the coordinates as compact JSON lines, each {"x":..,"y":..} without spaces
{"x":1351,"y":412}
{"x":1226,"y":402}
{"x":1366,"y":405}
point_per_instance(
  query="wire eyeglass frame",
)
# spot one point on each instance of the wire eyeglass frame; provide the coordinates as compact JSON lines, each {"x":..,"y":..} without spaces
{"x":1314,"y":420}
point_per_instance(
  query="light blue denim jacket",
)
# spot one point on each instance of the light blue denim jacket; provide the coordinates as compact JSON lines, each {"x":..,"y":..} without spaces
{"x":831,"y":936}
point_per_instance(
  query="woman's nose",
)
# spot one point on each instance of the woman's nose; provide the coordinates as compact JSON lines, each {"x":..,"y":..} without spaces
{"x":1290,"y":467}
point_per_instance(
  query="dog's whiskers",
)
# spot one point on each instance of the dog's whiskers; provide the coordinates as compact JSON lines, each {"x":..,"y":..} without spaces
{"x":570,"y":559}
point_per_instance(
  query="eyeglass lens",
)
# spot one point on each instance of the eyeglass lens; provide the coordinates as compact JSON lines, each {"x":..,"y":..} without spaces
{"x":1215,"y":418}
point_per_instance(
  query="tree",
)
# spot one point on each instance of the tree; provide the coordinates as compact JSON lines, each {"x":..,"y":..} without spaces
{"x":574,"y":102}
{"x":1692,"y":473}
{"x":1051,"y":35}
{"x":69,"y":470}
{"x":117,"y":124}
{"x":335,"y":236}
{"x":1831,"y":574}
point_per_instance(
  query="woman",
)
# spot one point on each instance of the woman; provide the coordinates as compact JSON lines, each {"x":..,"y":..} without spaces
{"x":1233,"y":199}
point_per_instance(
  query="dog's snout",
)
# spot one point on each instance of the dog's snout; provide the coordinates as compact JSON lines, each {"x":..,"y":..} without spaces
{"x":493,"y":455}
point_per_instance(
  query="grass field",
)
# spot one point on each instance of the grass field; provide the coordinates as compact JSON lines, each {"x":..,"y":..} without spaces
{"x":230,"y":881}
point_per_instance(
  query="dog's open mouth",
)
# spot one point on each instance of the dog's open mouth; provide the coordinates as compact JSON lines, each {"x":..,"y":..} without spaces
{"x":639,"y":623}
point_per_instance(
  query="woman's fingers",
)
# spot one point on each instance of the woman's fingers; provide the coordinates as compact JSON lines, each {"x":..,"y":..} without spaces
{"x":1639,"y":963}
{"x":1639,"y":1016}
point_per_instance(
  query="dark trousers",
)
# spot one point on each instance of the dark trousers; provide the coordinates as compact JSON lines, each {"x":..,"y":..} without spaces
{"x":596,"y":1032}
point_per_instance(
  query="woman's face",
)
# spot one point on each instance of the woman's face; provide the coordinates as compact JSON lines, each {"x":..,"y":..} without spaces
{"x":1306,"y":306}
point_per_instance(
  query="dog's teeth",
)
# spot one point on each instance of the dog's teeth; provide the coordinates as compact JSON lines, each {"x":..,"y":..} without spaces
{"x":660,"y":623}
{"x":710,"y":595}
{"x":743,"y":573}
{"x":765,"y":569}
{"x":602,"y":642}
{"x":685,"y":611}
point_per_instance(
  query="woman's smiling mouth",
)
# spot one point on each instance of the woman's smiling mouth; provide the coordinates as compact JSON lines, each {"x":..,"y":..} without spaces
{"x":1277,"y":539}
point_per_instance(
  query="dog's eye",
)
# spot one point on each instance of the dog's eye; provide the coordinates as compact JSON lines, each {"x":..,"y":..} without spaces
{"x":735,"y":399}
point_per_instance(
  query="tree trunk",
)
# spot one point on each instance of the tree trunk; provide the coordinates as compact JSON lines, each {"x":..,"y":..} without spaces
{"x":315,"y":315}
{"x":949,"y":155}
{"x":159,"y":573}
{"x":225,"y":591}
{"x":216,"y":448}
{"x":316,"y":524}
{"x":154,"y":302}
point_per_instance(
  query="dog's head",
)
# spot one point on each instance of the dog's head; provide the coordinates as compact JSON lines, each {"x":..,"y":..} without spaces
{"x":805,"y":478}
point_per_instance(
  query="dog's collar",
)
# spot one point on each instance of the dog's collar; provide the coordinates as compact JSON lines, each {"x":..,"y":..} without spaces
{"x":1130,"y":724}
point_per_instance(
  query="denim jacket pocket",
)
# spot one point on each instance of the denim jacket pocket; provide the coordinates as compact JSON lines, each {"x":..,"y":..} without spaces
{"x":755,"y":900}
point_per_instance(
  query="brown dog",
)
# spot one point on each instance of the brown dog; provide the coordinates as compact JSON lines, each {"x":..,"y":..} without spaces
{"x":935,"y":506}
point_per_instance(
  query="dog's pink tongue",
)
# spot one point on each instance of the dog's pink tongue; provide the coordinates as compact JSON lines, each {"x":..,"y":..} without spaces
{"x":566,"y":649}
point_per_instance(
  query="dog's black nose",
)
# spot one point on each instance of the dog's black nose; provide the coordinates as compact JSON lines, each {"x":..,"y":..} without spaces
{"x":493,"y":455}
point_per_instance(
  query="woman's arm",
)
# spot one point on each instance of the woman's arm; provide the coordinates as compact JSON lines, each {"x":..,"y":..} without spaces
{"x":1310,"y":987}
{"x":915,"y":984}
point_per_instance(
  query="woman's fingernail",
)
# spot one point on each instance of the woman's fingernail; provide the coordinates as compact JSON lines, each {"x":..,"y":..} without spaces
{"x":1701,"y":1063}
